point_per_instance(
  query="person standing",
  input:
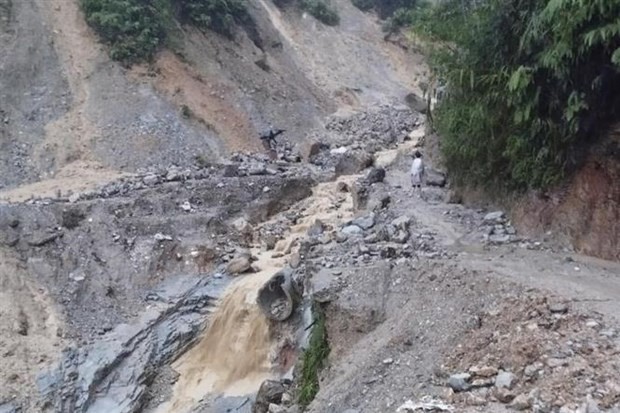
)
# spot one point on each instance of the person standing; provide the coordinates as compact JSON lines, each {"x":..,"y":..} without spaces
{"x":417,"y":171}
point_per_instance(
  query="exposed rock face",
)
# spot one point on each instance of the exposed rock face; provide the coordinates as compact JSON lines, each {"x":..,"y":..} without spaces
{"x":586,"y":212}
{"x":112,"y":375}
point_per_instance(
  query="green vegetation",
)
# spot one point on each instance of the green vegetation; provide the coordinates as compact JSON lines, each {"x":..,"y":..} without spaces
{"x":313,"y":359}
{"x":384,"y":8}
{"x":530,"y":84}
{"x":136,"y":29}
{"x":217,"y":15}
{"x":322,"y":11}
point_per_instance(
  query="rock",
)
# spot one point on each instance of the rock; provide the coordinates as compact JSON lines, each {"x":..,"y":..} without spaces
{"x":416,"y":103}
{"x":341,"y":237}
{"x":353,"y":162}
{"x":365,"y":222}
{"x":388,"y":361}
{"x":339,"y":151}
{"x":41,"y":238}
{"x":316,"y":229}
{"x":162,"y":237}
{"x":342,"y":187}
{"x":484,"y":371}
{"x":270,"y":392}
{"x":403,"y":222}
{"x":375,"y":175}
{"x":295,"y":260}
{"x":150,"y":180}
{"x":379,"y":201}
{"x":590,"y":405}
{"x":499,"y":239}
{"x":230,"y":170}
{"x":352,"y":230}
{"x":322,"y":286}
{"x":240,"y":264}
{"x":279,"y":296}
{"x":276,"y":408}
{"x":351,"y":411}
{"x":494,"y":217}
{"x":359,"y":195}
{"x":532,"y":369}
{"x":475,"y":400}
{"x":521,"y":402}
{"x":311,"y":149}
{"x":505,"y":380}
{"x":459,"y":382}
{"x":558,"y":307}
{"x":269,"y":241}
{"x":117,"y":364}
{"x":435,"y":178}
{"x":401,"y":236}
{"x":483,"y":382}
{"x":186,"y":206}
{"x":8,"y":408}
{"x":371,"y":239}
{"x":504,"y":395}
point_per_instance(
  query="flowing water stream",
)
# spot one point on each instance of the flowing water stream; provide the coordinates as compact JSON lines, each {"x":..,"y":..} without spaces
{"x":234,"y":356}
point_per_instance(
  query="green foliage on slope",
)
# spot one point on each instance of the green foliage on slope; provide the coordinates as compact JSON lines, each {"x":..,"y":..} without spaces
{"x":136,"y":29}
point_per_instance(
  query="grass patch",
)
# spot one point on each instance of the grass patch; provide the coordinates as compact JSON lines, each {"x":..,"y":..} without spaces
{"x":313,"y":359}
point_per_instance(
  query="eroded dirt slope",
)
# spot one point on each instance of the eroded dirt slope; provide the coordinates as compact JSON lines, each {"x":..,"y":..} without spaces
{"x":66,"y":105}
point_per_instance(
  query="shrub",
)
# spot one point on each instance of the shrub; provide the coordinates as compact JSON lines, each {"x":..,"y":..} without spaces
{"x":134,"y":29}
{"x":217,"y":15}
{"x":322,"y":11}
{"x":384,"y":8}
{"x":530,"y":82}
{"x":364,"y":5}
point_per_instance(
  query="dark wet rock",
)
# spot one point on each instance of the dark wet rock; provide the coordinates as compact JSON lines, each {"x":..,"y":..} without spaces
{"x":416,"y":103}
{"x":375,"y":175}
{"x":459,"y":382}
{"x":435,"y":178}
{"x":270,"y":391}
{"x":112,"y":375}
{"x":359,"y":194}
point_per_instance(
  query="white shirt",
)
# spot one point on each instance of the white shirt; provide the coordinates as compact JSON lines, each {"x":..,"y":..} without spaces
{"x":417,"y":167}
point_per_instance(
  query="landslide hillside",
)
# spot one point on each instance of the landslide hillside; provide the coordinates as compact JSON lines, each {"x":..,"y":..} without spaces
{"x":73,"y":117}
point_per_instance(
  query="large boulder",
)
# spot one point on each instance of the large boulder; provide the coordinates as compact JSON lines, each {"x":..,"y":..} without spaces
{"x":270,"y":391}
{"x":278,"y":297}
{"x":353,"y":162}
